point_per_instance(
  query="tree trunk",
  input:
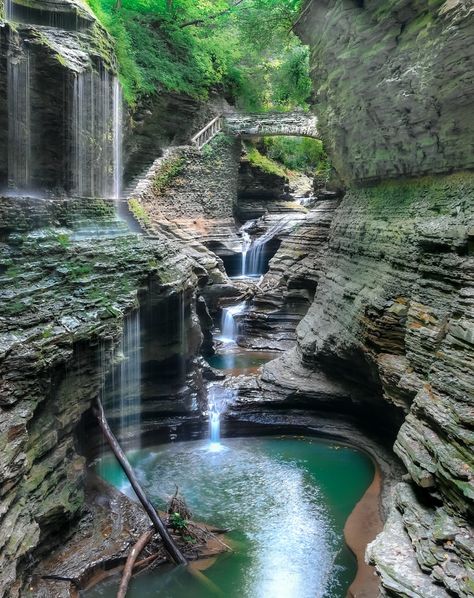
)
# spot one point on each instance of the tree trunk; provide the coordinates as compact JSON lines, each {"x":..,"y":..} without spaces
{"x":168,"y":542}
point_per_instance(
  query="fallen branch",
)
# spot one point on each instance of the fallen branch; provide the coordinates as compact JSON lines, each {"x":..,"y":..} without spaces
{"x":132,"y":557}
{"x":168,"y":542}
{"x":150,"y":559}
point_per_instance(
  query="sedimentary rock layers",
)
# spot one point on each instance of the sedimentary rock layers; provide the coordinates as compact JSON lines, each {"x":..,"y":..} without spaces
{"x":393,"y":309}
{"x":393,"y":84}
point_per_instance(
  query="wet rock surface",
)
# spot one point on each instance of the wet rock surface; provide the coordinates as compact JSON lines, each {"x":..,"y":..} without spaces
{"x":393,"y":84}
{"x":69,"y":272}
{"x":286,"y":291}
{"x":393,"y":309}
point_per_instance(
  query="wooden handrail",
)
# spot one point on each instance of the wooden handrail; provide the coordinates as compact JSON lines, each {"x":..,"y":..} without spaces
{"x":208,"y":132}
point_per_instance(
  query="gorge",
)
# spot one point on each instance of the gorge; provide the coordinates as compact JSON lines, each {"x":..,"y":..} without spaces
{"x":291,"y":346}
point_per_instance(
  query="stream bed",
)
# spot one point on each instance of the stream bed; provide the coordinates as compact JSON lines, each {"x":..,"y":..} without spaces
{"x":285,"y":499}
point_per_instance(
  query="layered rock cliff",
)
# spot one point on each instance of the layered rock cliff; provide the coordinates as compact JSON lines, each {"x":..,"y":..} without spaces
{"x":393,"y":310}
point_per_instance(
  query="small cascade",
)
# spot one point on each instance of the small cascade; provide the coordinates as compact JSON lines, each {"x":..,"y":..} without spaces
{"x":218,"y":400}
{"x":97,"y":135}
{"x":19,"y":120}
{"x":183,"y":337}
{"x":8,"y":8}
{"x":253,"y":251}
{"x":230,"y":327}
{"x":246,"y":242}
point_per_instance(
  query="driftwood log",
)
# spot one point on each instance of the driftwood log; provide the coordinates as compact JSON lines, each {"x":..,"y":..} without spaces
{"x":131,"y":559}
{"x":169,"y":544}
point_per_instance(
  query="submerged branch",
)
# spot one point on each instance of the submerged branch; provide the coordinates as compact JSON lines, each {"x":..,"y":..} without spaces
{"x":168,"y":542}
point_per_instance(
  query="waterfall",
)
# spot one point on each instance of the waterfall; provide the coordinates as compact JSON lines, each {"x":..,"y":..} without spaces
{"x":126,"y":383}
{"x":218,"y":399}
{"x":19,"y":120}
{"x":117,"y":126}
{"x":229,"y":326}
{"x":8,"y":7}
{"x":253,"y":254}
{"x":97,"y":135}
{"x":255,"y":259}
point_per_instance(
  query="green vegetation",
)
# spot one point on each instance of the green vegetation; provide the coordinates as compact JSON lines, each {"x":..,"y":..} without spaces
{"x":243,"y":48}
{"x":263,"y":163}
{"x":169,"y":170}
{"x":296,"y":153}
{"x":138,"y":211}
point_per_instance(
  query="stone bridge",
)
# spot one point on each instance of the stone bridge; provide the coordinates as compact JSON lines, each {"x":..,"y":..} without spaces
{"x":294,"y":124}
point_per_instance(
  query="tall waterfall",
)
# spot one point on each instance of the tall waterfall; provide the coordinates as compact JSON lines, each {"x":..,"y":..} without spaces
{"x":117,"y":128}
{"x":19,"y":119}
{"x":122,"y":390}
{"x":129,"y":391}
{"x":8,"y":8}
{"x":97,"y":135}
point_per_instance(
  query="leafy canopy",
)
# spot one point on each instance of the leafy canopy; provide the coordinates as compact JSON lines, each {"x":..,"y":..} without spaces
{"x":244,"y":48}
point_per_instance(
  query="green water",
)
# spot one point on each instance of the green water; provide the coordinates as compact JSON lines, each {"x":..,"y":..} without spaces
{"x":286,"y":501}
{"x":244,"y":360}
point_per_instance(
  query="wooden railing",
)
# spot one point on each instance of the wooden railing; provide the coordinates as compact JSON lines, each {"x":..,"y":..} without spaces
{"x":209,"y":132}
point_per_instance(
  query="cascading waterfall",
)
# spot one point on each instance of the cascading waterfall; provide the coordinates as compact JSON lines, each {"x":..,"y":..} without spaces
{"x":229,"y":327}
{"x":19,"y":120}
{"x":217,"y":402}
{"x":253,"y":254}
{"x":246,"y":242}
{"x":117,"y":126}
{"x":126,"y":383}
{"x":97,"y":135}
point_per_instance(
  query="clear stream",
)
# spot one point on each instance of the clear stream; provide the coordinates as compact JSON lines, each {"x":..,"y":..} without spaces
{"x":286,"y":500}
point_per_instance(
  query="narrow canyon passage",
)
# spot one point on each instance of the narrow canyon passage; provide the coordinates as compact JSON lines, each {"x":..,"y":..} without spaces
{"x":244,"y":229}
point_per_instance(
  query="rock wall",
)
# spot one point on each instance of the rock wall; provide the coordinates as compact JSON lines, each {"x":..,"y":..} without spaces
{"x":287,"y":290}
{"x":69,"y":270}
{"x":393,"y":84}
{"x":393,"y":312}
{"x":41,"y":60}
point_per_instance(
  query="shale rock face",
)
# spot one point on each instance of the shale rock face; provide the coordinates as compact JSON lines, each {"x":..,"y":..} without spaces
{"x":69,"y":270}
{"x":287,"y":290}
{"x":393,"y":83}
{"x":42,"y":57}
{"x":393,"y":310}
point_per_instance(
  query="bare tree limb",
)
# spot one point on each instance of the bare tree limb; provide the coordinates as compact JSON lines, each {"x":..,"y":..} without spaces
{"x":168,"y":542}
{"x":132,"y":557}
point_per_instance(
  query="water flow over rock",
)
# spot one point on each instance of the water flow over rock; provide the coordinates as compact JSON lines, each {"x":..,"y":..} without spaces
{"x":19,"y":119}
{"x":230,"y":327}
{"x":218,"y":400}
{"x":97,"y":134}
{"x":253,"y":251}
{"x":122,"y":392}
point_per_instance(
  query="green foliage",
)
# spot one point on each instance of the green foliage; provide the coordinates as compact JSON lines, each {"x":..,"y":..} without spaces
{"x":296,"y":153}
{"x":138,"y":211}
{"x":178,"y":522}
{"x":263,"y":163}
{"x":245,"y":48}
{"x":169,"y":170}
